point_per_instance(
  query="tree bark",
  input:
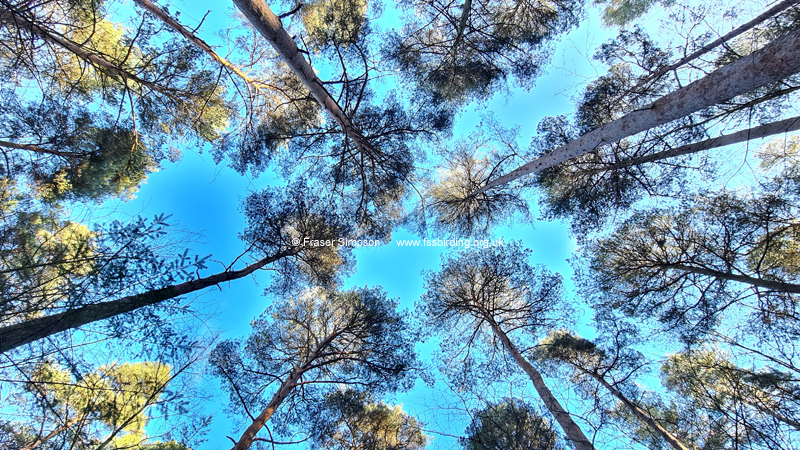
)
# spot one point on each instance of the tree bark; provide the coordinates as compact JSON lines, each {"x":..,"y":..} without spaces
{"x":39,"y":441}
{"x":571,"y":429}
{"x":775,"y":61}
{"x":197,"y":42}
{"x":462,"y":25}
{"x":640,"y":413}
{"x":782,"y":126}
{"x":249,"y":434}
{"x":286,"y":387}
{"x":37,"y":149}
{"x":269,"y":25}
{"x":13,"y":336}
{"x":760,"y":282}
{"x":785,"y":4}
{"x":10,"y":17}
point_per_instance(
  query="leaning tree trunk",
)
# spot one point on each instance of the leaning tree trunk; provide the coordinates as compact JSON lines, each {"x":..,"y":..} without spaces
{"x":197,"y":42}
{"x":776,"y":61}
{"x":780,"y":7}
{"x":287,"y":385}
{"x":13,"y":336}
{"x":640,"y":413}
{"x":269,"y":25}
{"x":258,"y":423}
{"x":571,"y":429}
{"x":12,"y":18}
{"x":758,"y":282}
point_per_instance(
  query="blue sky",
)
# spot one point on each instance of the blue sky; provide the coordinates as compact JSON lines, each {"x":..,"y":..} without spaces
{"x":205,"y":198}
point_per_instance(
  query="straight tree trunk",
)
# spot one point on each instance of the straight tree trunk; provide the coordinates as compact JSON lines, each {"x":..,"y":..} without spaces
{"x":269,"y":25}
{"x":571,"y":429}
{"x":770,"y":129}
{"x":776,"y":61}
{"x":462,"y":25}
{"x":13,"y":336}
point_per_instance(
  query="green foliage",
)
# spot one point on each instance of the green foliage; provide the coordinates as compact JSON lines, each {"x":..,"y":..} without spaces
{"x":304,"y":228}
{"x":509,"y":425}
{"x":684,"y":267}
{"x":459,"y":55}
{"x":467,"y":165}
{"x":40,"y":257}
{"x":477,"y":290}
{"x":117,"y":167}
{"x":112,"y":401}
{"x":72,"y":154}
{"x":352,"y":420}
{"x":623,"y":12}
{"x":334,"y":22}
{"x":110,"y":99}
{"x":748,"y":407}
{"x":690,"y":425}
{"x":342,"y":338}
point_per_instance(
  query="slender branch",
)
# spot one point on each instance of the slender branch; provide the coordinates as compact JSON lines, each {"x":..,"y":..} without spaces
{"x":785,"y":4}
{"x":199,"y":43}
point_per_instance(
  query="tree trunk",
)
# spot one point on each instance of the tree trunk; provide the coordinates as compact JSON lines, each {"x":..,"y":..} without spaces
{"x":640,"y":413}
{"x":290,"y":383}
{"x":13,"y":336}
{"x":197,"y":42}
{"x":776,"y":61}
{"x":269,"y":25}
{"x":462,"y":25}
{"x":37,"y":149}
{"x":760,"y":282}
{"x":52,"y":434}
{"x":10,"y":17}
{"x":249,"y":434}
{"x":785,"y":4}
{"x":782,"y":126}
{"x":571,"y":429}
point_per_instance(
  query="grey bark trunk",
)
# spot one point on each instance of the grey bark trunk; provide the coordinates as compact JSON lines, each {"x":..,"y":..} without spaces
{"x":13,"y":336}
{"x":269,"y":25}
{"x":37,"y":149}
{"x":462,"y":25}
{"x":571,"y":429}
{"x":782,"y":126}
{"x":775,"y":61}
